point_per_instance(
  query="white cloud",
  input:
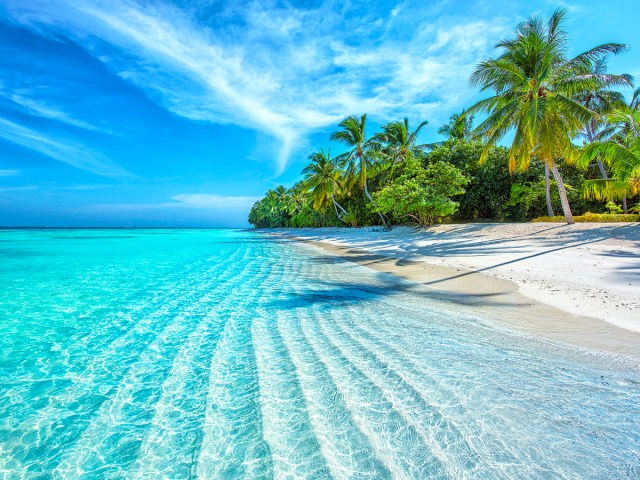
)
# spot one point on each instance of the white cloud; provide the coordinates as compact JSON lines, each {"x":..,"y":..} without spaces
{"x":74,"y":154}
{"x":10,"y":173}
{"x":281,"y":71}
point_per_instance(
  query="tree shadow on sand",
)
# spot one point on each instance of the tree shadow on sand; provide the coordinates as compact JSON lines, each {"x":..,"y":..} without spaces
{"x":463,"y":241}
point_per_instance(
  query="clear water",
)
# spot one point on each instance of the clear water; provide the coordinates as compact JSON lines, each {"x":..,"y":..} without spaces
{"x":226,"y":354}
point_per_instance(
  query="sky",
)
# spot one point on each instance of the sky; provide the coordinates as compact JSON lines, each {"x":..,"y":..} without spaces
{"x":183,"y":113}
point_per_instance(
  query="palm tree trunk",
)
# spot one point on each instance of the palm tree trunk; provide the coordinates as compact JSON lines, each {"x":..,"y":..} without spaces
{"x":366,"y":192}
{"x":566,"y":208}
{"x":603,"y":172}
{"x":336,"y":209}
{"x":591,"y":138}
{"x":624,"y":204}
{"x":336,"y":205}
{"x":547,"y":185}
{"x":591,"y":126}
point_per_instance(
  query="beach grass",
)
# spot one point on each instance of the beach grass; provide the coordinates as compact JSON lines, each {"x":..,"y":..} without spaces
{"x":593,"y":218}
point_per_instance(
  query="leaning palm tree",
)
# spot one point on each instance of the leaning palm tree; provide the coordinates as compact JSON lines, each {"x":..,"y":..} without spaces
{"x":357,"y":159}
{"x":535,"y":84}
{"x":397,"y":142}
{"x":323,"y":179}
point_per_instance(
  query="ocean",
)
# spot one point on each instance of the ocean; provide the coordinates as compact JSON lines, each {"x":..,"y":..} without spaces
{"x":144,"y":353}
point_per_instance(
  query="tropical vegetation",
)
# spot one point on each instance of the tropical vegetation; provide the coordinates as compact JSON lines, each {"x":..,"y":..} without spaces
{"x":574,"y":146}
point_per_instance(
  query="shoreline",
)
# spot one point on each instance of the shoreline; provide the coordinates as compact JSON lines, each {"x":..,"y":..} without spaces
{"x":500,"y":299}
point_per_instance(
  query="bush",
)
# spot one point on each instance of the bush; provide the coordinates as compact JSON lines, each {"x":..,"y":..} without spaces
{"x":422,"y":193}
{"x":593,"y":218}
{"x":613,"y":208}
{"x":489,"y":183}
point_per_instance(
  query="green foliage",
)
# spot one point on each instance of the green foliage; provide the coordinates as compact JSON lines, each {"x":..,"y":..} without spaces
{"x":613,"y":209}
{"x":594,"y":218}
{"x":529,"y":198}
{"x":537,"y":92}
{"x":459,"y":127}
{"x":490,"y":191}
{"x":308,"y":217}
{"x":619,"y":149}
{"x":422,"y":193}
{"x":535,"y":86}
{"x":489,"y":184}
{"x":397,"y":142}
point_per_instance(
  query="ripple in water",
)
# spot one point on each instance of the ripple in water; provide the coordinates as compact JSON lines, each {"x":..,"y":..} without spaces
{"x":225,"y":354}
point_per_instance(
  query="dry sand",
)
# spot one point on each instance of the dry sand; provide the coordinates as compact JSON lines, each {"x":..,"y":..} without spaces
{"x":577,"y":284}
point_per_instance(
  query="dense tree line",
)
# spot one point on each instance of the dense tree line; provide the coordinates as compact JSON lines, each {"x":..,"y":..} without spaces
{"x":550,"y":103}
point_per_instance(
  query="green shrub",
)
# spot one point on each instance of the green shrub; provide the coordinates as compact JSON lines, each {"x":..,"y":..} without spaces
{"x":422,"y":193}
{"x":489,"y":183}
{"x":613,"y":208}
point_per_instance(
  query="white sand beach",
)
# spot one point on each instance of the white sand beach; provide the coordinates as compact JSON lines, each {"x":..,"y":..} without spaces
{"x":588,"y":274}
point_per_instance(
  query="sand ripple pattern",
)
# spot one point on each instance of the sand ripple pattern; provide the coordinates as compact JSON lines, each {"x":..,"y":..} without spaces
{"x":147,"y":354}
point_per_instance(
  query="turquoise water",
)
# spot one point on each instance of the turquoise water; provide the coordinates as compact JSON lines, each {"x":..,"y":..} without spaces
{"x":226,"y":354}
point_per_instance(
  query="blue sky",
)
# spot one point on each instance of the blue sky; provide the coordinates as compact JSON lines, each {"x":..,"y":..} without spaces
{"x":157,"y":113}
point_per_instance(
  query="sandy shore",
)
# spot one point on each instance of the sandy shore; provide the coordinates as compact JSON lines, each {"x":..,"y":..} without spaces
{"x":578,"y":284}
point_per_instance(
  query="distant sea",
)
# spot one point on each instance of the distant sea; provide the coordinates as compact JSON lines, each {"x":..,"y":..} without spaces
{"x":151,"y":353}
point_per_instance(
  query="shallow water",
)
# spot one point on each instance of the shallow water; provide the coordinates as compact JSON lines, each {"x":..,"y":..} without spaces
{"x":226,"y":354}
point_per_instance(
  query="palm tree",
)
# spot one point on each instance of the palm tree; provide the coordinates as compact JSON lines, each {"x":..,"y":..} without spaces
{"x":618,"y":145}
{"x":281,"y":197}
{"x":459,"y":127}
{"x":621,"y":123}
{"x":296,"y":198}
{"x":357,"y":159}
{"x":635,"y":100}
{"x":535,"y":85}
{"x":323,"y":178}
{"x":599,"y":98}
{"x":276,"y":202}
{"x":397,"y":142}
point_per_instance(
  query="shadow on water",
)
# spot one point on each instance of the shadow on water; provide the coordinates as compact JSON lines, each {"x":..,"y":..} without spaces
{"x":339,"y":294}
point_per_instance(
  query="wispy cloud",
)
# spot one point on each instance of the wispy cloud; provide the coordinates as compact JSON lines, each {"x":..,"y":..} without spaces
{"x":19,"y":188}
{"x":74,"y":154}
{"x":207,"y":200}
{"x":284,"y":71}
{"x":195,"y":201}
{"x":42,"y":109}
{"x":10,"y":173}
